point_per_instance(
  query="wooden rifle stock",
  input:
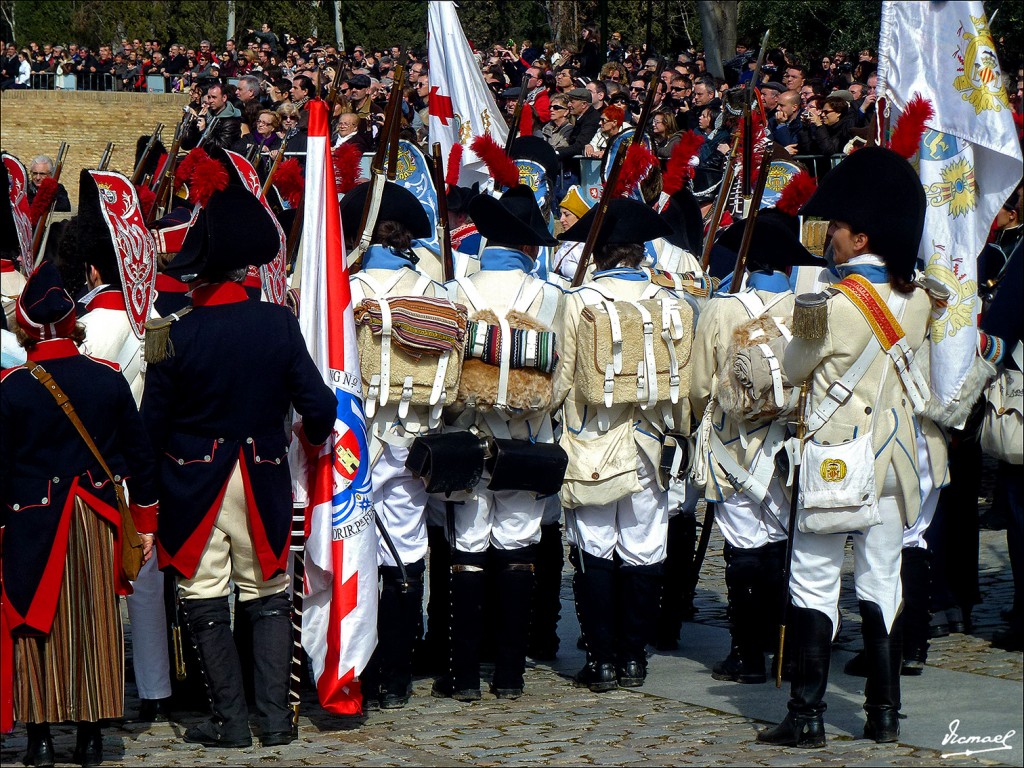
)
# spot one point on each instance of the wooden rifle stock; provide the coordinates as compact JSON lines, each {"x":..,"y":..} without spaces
{"x":164,"y":181}
{"x":153,"y":139}
{"x":40,"y":230}
{"x":748,"y":231}
{"x":719,"y":210}
{"x":444,"y":235}
{"x":517,"y":116}
{"x":385,"y":151}
{"x":613,"y":179}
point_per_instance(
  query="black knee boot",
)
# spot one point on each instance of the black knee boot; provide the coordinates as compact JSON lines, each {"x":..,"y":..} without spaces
{"x":676,"y":595}
{"x":210,"y":623}
{"x":431,"y":656}
{"x":638,"y":595}
{"x":547,"y":601}
{"x":401,"y":605}
{"x":916,"y":575}
{"x":468,"y":583}
{"x":270,"y":619}
{"x":744,"y":571}
{"x":594,"y":590}
{"x":88,"y":745}
{"x":40,"y":745}
{"x":515,"y":584}
{"x":804,"y":726}
{"x":883,"y":657}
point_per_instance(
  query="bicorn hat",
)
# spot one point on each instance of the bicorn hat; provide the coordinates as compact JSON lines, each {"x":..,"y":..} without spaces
{"x":515,"y":219}
{"x":396,"y":204}
{"x":626,"y":221}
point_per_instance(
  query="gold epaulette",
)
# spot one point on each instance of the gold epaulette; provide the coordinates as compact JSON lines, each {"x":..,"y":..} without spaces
{"x":158,"y":337}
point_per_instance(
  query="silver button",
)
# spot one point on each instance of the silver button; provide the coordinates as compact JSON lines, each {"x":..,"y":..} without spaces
{"x":206,"y":458}
{"x":45,"y":500}
{"x":248,"y":440}
{"x":181,"y":462}
{"x":56,"y":480}
{"x":98,"y":485}
{"x":277,"y":461}
{"x":117,"y":478}
{"x":16,"y":507}
{"x":257,"y":458}
{"x":220,"y":439}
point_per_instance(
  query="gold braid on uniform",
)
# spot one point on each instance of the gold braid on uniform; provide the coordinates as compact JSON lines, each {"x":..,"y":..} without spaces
{"x":810,"y":316}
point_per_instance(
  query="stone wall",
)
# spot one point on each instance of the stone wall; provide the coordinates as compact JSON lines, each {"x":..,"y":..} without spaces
{"x":35,"y":122}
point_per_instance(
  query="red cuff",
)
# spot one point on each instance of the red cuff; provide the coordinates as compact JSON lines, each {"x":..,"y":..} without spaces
{"x":145,"y":517}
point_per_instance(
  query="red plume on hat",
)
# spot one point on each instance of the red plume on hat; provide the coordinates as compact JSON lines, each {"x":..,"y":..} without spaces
{"x":41,"y":203}
{"x":910,"y":127}
{"x":502,"y":168}
{"x":346,"y":160}
{"x":635,"y":168}
{"x":678,"y":170}
{"x":209,"y":177}
{"x":796,"y":192}
{"x":147,"y":197}
{"x":290,"y":182}
{"x":187,"y":167}
{"x":454,"y":167}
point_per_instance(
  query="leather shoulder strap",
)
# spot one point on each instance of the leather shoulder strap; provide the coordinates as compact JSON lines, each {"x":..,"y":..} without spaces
{"x":43,"y":377}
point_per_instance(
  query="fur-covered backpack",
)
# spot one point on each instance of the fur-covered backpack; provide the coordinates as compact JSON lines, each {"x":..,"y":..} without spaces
{"x":509,"y":361}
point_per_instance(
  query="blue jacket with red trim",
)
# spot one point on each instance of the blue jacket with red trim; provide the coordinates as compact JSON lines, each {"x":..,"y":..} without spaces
{"x":238,"y":367}
{"x":46,"y":465}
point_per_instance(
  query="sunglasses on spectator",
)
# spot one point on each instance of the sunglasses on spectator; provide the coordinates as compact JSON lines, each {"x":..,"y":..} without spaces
{"x":677,"y":88}
{"x":636,"y":90}
{"x":829,"y":112}
{"x":556,"y":106}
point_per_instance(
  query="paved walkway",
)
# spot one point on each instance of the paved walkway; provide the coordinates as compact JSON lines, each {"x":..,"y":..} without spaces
{"x":681,"y":716}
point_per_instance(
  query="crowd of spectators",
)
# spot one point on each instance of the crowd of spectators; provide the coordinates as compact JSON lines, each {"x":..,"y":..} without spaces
{"x":580,"y":96}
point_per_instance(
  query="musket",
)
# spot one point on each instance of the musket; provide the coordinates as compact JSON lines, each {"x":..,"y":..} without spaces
{"x":180,"y":669}
{"x":794,"y":502}
{"x":443,"y":231}
{"x":748,"y":231}
{"x":273,"y":167}
{"x":388,"y":137}
{"x":720,"y":202}
{"x":613,"y":179}
{"x":140,"y":166}
{"x":163,"y":182}
{"x":37,"y":236}
{"x":297,"y":545}
{"x":517,"y":116}
{"x":211,"y":122}
{"x":105,"y":157}
{"x":334,"y":92}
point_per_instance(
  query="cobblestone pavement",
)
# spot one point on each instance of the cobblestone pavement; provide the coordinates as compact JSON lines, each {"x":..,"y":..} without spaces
{"x":558,"y":724}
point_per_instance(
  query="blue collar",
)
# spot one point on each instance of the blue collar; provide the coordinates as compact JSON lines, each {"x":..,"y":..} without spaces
{"x":871,"y":272}
{"x":382,"y":257}
{"x":776,"y":282}
{"x":498,"y":259}
{"x":622,"y":273}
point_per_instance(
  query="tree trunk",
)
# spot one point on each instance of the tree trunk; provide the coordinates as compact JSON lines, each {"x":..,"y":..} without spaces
{"x":339,"y":30}
{"x":231,"y":20}
{"x":718,"y":27}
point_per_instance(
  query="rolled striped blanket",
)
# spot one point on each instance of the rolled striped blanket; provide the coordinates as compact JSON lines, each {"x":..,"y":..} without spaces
{"x":530,"y":349}
{"x":419,"y":325}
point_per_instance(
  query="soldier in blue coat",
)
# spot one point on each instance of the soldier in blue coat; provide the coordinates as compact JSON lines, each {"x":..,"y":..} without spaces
{"x":218,"y":392}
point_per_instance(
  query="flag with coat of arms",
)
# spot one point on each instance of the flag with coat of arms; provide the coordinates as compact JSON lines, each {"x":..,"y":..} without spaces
{"x":460,"y":104}
{"x":969,"y":158}
{"x":339,"y":609}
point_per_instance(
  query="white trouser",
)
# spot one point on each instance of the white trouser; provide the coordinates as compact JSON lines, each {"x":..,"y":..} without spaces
{"x":914,"y":535}
{"x":746,"y":526}
{"x":877,"y":556}
{"x":400,"y":501}
{"x":635,"y":527}
{"x":683,"y":496}
{"x":149,"y":633}
{"x":503,"y":519}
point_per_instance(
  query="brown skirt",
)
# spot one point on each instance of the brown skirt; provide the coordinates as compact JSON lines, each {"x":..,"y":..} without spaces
{"x":76,"y":673}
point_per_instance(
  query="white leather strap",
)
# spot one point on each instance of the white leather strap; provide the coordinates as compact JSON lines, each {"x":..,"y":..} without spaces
{"x":776,"y":371}
{"x":385,"y":349}
{"x":503,"y":368}
{"x":647,"y":380}
{"x":671,"y":329}
{"x":438,"y":398}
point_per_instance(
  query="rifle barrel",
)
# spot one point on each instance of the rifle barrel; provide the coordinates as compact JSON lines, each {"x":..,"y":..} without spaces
{"x":720,"y":202}
{"x":444,"y":236}
{"x":748,"y":232}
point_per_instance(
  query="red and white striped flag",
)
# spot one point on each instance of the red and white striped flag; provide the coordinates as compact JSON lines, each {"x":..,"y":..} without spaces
{"x":339,"y":617}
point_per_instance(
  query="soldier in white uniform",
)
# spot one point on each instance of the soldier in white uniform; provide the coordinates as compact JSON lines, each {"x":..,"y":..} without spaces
{"x":739,"y":449}
{"x":505,"y":524}
{"x":389,"y":269}
{"x":615,"y":498}
{"x":876,"y":205}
